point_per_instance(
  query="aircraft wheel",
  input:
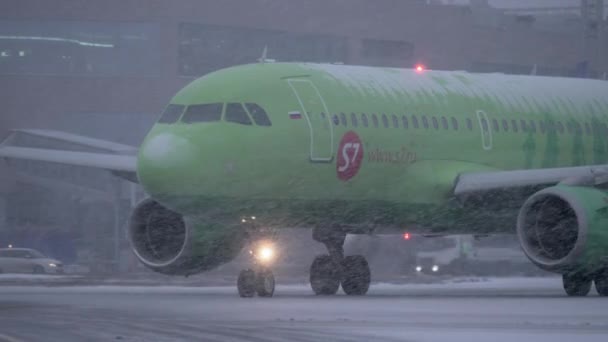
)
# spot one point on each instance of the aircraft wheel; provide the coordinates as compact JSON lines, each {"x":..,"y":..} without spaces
{"x":356,"y":275}
{"x":246,"y":283}
{"x":324,"y":275}
{"x":601,"y":283}
{"x":264,"y":283}
{"x":577,"y":284}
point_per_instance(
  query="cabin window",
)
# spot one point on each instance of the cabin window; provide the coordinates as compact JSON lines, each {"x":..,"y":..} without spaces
{"x":335,"y":119}
{"x":551,"y":127}
{"x":533,"y":126}
{"x":343,"y":119}
{"x":560,"y":127}
{"x":455,"y":124}
{"x":444,"y":123}
{"x":406,"y":124}
{"x":514,"y":125}
{"x":587,"y":128}
{"x":364,"y":120}
{"x":579,"y":129}
{"x":171,"y":114}
{"x":495,"y":125}
{"x":236,"y":113}
{"x":385,"y":120}
{"x":469,"y":124}
{"x":484,"y":124}
{"x":570,"y":127}
{"x":415,"y":121}
{"x":395,"y":121}
{"x":435,"y":122}
{"x":543,"y":128}
{"x":524,"y":126}
{"x":259,"y":114}
{"x":353,"y":119}
{"x":425,"y":122}
{"x":203,"y":113}
{"x":505,"y":125}
{"x":375,"y":120}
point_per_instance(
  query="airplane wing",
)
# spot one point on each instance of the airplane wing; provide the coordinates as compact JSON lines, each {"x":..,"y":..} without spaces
{"x":487,"y":181}
{"x":118,"y":158}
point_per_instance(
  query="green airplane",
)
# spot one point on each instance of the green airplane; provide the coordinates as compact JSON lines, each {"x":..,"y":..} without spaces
{"x":343,"y":150}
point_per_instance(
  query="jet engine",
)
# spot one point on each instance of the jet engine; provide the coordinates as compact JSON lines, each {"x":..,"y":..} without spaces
{"x":169,"y":243}
{"x":564,"y":228}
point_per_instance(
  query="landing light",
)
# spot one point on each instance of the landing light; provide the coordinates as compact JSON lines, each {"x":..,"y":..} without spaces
{"x":418,"y":268}
{"x":10,"y":246}
{"x":266,"y":253}
{"x":435,"y":268}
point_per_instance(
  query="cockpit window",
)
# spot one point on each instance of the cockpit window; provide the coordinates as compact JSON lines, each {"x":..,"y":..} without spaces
{"x":171,"y":113}
{"x":236,"y":113}
{"x":258,"y":114}
{"x":203,"y":113}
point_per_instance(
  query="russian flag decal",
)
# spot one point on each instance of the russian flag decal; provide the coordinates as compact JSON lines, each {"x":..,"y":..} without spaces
{"x":295,"y":115}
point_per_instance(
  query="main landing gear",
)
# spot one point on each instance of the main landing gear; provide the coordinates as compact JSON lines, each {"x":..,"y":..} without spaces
{"x":329,"y":271}
{"x":578,"y":284}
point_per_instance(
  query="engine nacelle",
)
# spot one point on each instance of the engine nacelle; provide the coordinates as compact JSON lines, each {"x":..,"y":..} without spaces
{"x":564,"y":228}
{"x":169,"y":243}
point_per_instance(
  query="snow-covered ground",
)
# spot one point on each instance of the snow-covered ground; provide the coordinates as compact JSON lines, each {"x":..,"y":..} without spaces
{"x":492,"y":309}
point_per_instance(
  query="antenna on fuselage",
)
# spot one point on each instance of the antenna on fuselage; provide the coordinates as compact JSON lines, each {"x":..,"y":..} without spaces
{"x":534,"y":70}
{"x":264,"y":58}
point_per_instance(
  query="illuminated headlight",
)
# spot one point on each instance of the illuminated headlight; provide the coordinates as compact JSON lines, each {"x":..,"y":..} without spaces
{"x":418,"y":268}
{"x":265,"y":254}
{"x":435,"y":268}
{"x":52,"y":265}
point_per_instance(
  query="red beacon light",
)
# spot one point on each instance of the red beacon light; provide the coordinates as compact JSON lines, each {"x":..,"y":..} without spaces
{"x":420,"y":68}
{"x":406,"y":236}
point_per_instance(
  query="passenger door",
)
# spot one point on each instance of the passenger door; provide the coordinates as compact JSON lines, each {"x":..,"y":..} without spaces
{"x":314,"y":109}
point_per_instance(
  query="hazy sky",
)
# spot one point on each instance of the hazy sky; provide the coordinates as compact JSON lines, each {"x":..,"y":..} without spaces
{"x":525,"y":3}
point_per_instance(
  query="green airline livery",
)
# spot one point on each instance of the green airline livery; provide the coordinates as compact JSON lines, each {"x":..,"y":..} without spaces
{"x":341,"y":149}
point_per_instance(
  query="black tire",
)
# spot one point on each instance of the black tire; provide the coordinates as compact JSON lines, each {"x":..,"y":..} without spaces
{"x":38,"y":269}
{"x":264,"y":283}
{"x":246,"y":283}
{"x":601,"y":283}
{"x":324,"y":276}
{"x":356,"y":275}
{"x":577,"y":284}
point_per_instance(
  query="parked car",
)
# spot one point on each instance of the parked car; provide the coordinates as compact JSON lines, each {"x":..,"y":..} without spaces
{"x":25,"y":260}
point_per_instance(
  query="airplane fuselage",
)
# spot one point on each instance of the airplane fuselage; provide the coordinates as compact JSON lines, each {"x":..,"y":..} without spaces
{"x":364,"y":147}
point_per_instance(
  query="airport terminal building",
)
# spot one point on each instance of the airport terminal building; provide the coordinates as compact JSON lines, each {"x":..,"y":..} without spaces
{"x":106,"y":68}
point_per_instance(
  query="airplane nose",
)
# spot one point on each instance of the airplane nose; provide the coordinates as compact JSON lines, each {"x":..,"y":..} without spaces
{"x":165,"y":163}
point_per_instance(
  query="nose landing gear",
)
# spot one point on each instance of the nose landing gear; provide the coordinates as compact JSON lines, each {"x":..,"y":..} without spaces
{"x":251,"y":282}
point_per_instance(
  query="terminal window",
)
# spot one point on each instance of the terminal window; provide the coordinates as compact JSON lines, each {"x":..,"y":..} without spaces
{"x":206,"y":48}
{"x":79,"y":48}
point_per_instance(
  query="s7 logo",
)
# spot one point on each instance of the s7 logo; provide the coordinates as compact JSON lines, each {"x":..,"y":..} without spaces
{"x":348,"y":161}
